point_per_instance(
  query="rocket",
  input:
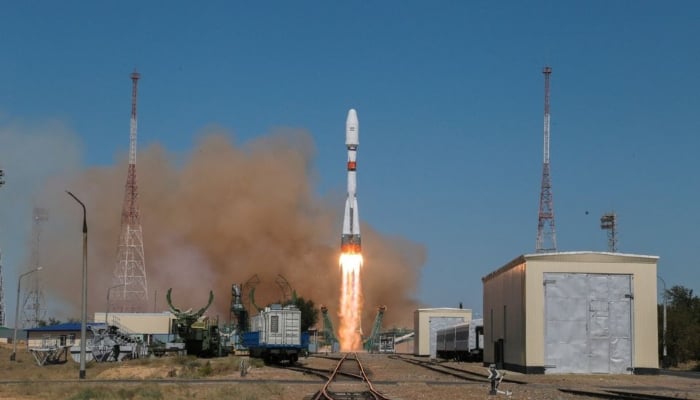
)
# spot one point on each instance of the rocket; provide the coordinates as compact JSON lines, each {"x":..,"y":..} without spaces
{"x":350,"y":240}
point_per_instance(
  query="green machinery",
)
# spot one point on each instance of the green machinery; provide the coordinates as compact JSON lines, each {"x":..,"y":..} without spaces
{"x":200,"y":335}
{"x":372,"y":342}
{"x":328,"y":333}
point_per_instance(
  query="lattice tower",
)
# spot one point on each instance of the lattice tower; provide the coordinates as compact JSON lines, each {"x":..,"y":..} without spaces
{"x":2,"y":284}
{"x":2,"y":295}
{"x":546,"y":234}
{"x":33,"y":307}
{"x":130,"y":271}
{"x":608,"y":222}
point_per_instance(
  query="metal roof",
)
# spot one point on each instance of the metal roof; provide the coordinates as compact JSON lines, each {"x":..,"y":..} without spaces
{"x":68,"y":326}
{"x":521,"y":259}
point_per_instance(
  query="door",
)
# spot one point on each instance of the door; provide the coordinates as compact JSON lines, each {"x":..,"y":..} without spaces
{"x":588,"y":325}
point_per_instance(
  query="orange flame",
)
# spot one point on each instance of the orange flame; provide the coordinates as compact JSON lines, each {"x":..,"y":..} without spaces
{"x":350,"y":302}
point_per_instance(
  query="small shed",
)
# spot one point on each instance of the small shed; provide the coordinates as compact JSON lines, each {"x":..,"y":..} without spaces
{"x":66,"y":334}
{"x":573,"y":312}
{"x":427,"y":321}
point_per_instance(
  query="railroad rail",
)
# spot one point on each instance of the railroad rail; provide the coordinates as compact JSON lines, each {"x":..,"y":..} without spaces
{"x":349,"y":367}
{"x":452,"y":371}
{"x":617,"y":395}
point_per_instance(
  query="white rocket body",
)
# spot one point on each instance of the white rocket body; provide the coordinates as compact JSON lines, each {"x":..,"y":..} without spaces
{"x":350,"y":240}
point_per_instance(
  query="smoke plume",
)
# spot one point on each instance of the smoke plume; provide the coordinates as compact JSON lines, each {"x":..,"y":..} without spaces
{"x":218,"y":217}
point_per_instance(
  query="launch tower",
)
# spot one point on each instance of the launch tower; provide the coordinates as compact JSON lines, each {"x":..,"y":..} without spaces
{"x":546,"y":234}
{"x":130,"y":272}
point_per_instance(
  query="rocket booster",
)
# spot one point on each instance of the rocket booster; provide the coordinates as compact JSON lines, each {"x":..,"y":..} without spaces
{"x":350,"y":240}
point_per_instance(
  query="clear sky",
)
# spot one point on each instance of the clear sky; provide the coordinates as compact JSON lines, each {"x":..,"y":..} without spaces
{"x":450,"y":101}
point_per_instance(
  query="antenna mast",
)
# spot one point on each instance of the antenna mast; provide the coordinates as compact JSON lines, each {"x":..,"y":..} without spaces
{"x":546,"y":234}
{"x":608,"y":222}
{"x":2,"y":284}
{"x":130,"y":271}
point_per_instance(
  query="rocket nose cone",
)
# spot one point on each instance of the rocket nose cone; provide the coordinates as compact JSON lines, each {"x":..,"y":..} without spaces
{"x":352,"y":116}
{"x":352,"y":128}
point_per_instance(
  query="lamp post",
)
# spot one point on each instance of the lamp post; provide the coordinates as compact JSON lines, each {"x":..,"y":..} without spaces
{"x":109,"y":290}
{"x":83,"y":317}
{"x":663,"y":332}
{"x":14,"y":336}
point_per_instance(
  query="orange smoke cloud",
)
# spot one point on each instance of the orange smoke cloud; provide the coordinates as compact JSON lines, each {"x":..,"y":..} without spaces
{"x":224,"y":214}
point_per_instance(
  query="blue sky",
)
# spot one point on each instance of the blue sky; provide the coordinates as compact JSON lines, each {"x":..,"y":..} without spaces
{"x":449,"y":96}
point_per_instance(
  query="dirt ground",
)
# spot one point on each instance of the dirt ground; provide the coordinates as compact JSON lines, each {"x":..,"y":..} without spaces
{"x":221,"y":378}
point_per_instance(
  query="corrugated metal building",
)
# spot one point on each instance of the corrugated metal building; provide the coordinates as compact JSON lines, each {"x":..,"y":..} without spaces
{"x":427,"y":321}
{"x":573,"y":312}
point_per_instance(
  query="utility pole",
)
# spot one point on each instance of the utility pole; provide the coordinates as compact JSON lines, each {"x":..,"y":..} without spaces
{"x":34,"y":310}
{"x":664,"y":357}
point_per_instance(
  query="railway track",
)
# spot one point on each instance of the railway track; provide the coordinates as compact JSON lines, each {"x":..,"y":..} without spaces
{"x":617,"y":395}
{"x":452,"y":371}
{"x":347,"y":381}
{"x":472,"y":376}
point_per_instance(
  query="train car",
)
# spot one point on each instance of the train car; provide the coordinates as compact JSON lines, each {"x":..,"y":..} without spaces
{"x":275,"y":335}
{"x":462,"y":342}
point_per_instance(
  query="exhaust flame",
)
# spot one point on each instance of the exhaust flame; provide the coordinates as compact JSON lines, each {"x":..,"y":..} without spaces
{"x":350,"y":302}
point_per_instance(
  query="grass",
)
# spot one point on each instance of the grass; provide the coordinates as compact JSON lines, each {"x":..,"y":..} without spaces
{"x":24,"y":379}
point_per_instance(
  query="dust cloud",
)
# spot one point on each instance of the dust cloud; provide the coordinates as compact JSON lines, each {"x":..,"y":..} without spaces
{"x":219,"y":216}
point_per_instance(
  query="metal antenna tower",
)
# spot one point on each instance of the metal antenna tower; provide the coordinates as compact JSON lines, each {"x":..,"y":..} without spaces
{"x":2,"y":296}
{"x":608,"y":222}
{"x":2,"y":284}
{"x":130,"y":271}
{"x":33,"y":306}
{"x":546,"y":234}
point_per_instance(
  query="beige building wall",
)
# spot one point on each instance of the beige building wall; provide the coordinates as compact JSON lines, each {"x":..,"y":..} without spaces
{"x":505,"y":314}
{"x":421,"y":325}
{"x":140,"y":323}
{"x":514,"y":303}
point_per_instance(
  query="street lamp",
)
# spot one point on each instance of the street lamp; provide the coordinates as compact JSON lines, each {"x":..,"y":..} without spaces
{"x":14,"y":337}
{"x":109,"y":290}
{"x":663,"y":332}
{"x":83,"y":317}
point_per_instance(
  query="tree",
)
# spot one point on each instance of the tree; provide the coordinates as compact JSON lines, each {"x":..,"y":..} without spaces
{"x":683,"y":325}
{"x":51,"y":322}
{"x":309,"y":314}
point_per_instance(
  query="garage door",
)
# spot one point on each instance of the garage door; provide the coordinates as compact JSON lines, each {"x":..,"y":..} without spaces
{"x":588,"y":323}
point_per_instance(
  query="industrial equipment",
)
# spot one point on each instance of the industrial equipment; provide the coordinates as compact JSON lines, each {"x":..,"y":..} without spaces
{"x":275,"y":335}
{"x":200,"y":335}
{"x":371,"y":344}
{"x":328,"y":333}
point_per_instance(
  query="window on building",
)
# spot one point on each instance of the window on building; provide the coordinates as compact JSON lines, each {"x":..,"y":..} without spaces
{"x":274,"y":324}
